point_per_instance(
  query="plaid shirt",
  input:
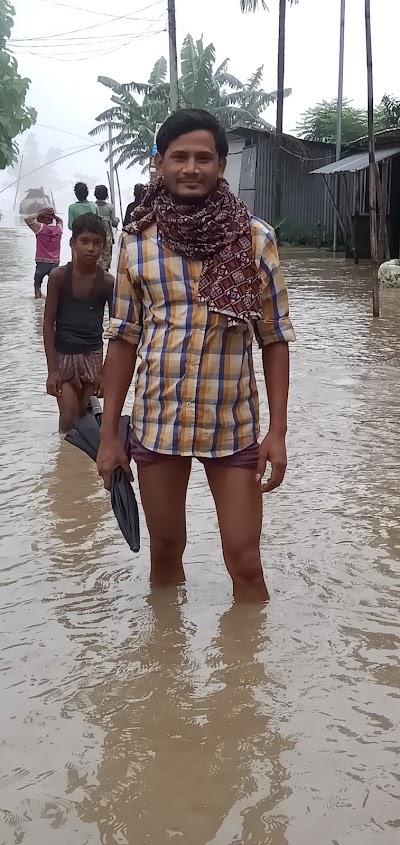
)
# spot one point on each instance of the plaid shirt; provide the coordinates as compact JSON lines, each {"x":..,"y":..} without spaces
{"x":196,"y":392}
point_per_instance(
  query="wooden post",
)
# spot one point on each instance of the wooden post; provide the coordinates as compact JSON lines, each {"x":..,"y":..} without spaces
{"x":339,"y":117}
{"x":173,"y":58}
{"x":18,"y":181}
{"x":372,"y":164}
{"x":336,"y":208}
{"x":278,"y":141}
{"x":383,"y":204}
{"x":119,"y":194}
{"x":357,"y":193}
{"x":111,"y":166}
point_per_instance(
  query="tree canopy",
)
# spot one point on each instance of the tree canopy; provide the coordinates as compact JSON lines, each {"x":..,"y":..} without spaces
{"x":319,"y":123}
{"x":388,"y":113}
{"x":201,"y":85}
{"x":15,"y":116}
{"x":255,"y":5}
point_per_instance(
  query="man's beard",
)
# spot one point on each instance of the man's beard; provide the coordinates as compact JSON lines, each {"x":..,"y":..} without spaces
{"x":190,"y":199}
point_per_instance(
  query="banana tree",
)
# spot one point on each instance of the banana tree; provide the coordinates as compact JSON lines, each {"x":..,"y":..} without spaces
{"x":132,"y":122}
{"x":233,"y":102}
{"x":201,"y":85}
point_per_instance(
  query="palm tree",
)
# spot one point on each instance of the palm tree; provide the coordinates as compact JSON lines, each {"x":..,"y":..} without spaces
{"x":252,"y":6}
{"x":233,"y":102}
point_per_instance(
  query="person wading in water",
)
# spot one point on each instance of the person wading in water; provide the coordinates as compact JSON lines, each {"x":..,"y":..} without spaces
{"x":138,"y":192}
{"x":48,"y":228}
{"x":82,"y":205}
{"x":197,"y":277}
{"x":106,"y":211}
{"x":73,"y":322}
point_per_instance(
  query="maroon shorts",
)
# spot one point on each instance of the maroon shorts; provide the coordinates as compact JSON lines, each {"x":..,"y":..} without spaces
{"x":245,"y":459}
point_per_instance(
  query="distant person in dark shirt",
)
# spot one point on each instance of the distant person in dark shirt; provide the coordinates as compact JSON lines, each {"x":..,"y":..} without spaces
{"x":82,"y":204}
{"x":138,"y":192}
{"x":73,"y":322}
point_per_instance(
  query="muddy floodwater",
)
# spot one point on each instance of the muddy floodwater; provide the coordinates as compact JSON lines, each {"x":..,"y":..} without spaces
{"x":130,"y":717}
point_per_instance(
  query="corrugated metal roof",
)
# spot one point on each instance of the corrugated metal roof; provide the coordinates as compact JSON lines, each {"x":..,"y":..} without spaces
{"x":382,"y":138}
{"x":354,"y":163}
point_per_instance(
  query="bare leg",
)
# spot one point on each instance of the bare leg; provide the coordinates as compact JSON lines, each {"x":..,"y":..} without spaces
{"x":238,"y":500}
{"x":37,"y":281}
{"x":163,"y":489}
{"x":68,"y":404}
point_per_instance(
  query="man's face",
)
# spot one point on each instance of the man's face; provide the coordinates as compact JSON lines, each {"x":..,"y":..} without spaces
{"x":88,"y":248}
{"x":191,"y":166}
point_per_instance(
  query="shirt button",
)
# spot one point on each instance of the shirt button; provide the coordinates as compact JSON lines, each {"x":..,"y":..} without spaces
{"x":198,"y":331}
{"x":191,"y":368}
{"x":188,"y":405}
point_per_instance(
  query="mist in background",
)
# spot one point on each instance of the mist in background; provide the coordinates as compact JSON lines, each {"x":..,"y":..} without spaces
{"x":63,"y":48}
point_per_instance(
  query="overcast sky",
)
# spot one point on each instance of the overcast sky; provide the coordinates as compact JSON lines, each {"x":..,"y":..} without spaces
{"x":67,"y":95}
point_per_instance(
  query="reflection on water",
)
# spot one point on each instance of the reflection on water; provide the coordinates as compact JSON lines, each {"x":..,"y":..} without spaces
{"x":133,"y":717}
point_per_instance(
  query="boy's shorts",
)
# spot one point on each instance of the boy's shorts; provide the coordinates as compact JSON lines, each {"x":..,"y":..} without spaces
{"x":43,"y":268}
{"x":80,"y":369}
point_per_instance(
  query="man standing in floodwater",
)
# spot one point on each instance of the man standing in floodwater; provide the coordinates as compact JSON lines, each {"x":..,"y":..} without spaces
{"x":197,"y":277}
{"x":48,"y":229}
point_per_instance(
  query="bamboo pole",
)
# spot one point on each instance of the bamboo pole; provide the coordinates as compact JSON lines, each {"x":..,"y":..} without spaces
{"x":336,"y":208}
{"x":339,"y":117}
{"x":373,"y":229}
{"x":173,"y":58}
{"x":383,"y":205}
{"x":18,"y":181}
{"x":278,"y":144}
{"x":111,"y":165}
{"x":119,"y":193}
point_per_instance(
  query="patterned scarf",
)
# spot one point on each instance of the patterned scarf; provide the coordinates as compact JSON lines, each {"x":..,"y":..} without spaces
{"x":218,"y":233}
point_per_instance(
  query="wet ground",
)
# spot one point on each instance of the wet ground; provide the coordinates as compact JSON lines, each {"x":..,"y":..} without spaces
{"x":130,"y":717}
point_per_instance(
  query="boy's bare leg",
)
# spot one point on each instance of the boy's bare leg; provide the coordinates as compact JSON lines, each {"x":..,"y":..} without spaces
{"x":238,"y":501}
{"x":68,"y":404}
{"x":163,"y":487}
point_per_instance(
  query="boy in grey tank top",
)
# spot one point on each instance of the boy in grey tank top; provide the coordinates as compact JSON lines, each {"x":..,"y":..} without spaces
{"x":73,"y":322}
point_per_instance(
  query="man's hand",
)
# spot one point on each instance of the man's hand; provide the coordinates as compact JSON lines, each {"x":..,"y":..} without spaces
{"x":45,"y":212}
{"x":272,"y":449}
{"x":54,"y":384}
{"x":110,"y":456}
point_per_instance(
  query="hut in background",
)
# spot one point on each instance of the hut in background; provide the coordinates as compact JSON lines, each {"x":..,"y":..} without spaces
{"x":34,"y":201}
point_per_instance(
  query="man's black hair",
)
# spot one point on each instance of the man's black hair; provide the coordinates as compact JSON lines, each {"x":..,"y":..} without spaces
{"x":138,"y":191}
{"x":88,"y":223}
{"x":81,"y":191}
{"x":191,"y":120}
{"x":101,"y":192}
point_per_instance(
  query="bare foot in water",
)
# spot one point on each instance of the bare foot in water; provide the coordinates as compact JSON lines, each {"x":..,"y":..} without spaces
{"x":38,"y":293}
